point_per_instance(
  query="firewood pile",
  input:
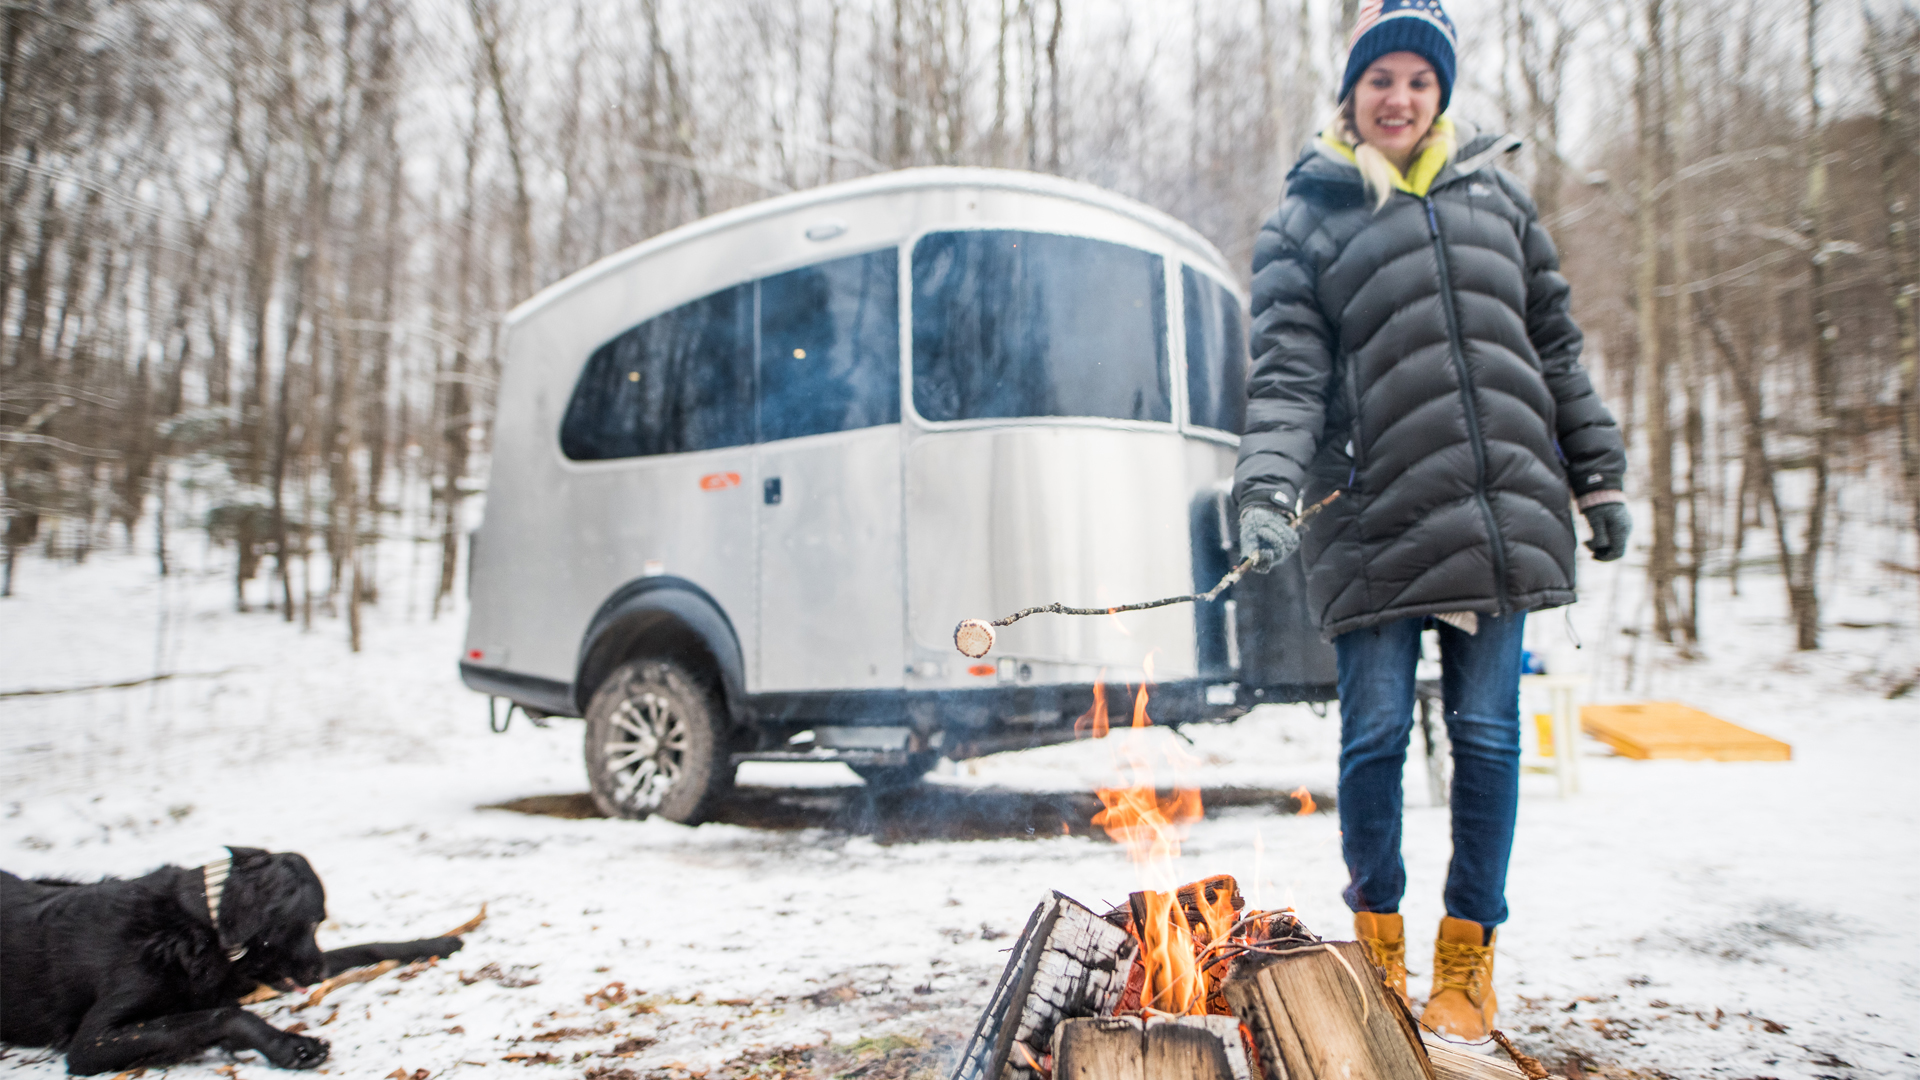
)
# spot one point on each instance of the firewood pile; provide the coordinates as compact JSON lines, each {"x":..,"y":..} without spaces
{"x":1188,"y":984}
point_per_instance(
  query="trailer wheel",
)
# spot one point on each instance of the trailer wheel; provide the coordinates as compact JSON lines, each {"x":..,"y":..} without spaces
{"x":656,"y":745}
{"x":890,"y":777}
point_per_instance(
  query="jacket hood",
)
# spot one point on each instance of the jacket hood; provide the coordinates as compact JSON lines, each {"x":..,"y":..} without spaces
{"x":1325,"y":175}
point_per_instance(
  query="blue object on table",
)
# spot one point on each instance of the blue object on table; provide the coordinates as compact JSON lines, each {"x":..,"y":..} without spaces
{"x":1532,"y":663}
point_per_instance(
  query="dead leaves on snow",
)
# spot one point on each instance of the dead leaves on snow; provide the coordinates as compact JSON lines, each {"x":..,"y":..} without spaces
{"x":514,"y":977}
{"x":890,"y":1057}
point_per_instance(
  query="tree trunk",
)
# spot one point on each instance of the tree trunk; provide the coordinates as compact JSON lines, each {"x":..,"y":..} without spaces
{"x":1650,"y":97}
{"x":1804,"y":587}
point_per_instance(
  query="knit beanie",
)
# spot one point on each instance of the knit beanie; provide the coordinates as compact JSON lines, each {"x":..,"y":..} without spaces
{"x":1389,"y":26}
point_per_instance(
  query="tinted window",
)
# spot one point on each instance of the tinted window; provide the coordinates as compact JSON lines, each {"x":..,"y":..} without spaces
{"x":830,"y":347}
{"x":1031,"y":324}
{"x":677,"y":382}
{"x":1216,"y":354}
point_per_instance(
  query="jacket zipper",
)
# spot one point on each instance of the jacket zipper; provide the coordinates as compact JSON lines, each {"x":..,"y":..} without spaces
{"x":1496,"y":541}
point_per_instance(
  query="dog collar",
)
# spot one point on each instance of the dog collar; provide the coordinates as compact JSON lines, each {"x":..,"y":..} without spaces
{"x":213,"y":878}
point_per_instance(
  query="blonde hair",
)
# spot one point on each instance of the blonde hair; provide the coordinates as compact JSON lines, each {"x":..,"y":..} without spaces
{"x":1375,"y":170}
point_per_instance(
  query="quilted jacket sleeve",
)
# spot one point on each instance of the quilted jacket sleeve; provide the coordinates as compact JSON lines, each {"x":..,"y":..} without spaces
{"x":1596,"y":457}
{"x":1292,"y":351}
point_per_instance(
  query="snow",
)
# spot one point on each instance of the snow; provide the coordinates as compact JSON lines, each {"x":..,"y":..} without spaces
{"x":1695,"y":919}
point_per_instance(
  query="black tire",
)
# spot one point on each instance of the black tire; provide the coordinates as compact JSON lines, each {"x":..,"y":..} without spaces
{"x":891,"y":777}
{"x":656,"y":744}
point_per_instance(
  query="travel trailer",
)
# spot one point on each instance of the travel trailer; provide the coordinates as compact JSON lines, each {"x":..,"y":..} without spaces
{"x":748,"y":475}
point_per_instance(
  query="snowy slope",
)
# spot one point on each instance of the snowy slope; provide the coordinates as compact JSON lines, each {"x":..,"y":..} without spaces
{"x":1671,"y":917}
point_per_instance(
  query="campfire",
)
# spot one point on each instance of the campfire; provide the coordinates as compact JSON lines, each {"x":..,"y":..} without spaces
{"x":1185,"y":980}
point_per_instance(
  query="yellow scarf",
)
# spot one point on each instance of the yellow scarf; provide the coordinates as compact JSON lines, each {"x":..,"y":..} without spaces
{"x":1425,"y":167}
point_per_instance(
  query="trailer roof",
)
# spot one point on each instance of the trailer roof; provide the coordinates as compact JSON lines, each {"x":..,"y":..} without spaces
{"x":881,"y":184}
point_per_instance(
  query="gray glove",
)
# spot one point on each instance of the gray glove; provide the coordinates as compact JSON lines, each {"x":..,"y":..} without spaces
{"x":1265,"y":533}
{"x":1611,"y":524}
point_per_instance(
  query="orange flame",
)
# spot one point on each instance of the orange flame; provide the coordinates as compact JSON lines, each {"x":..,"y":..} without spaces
{"x":1136,"y":816}
{"x":1305,"y":798}
{"x":1094,"y":721}
{"x":1150,"y":826}
{"x":1173,"y":983}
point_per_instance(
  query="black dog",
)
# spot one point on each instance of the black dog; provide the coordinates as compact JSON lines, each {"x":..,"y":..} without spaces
{"x":122,"y":974}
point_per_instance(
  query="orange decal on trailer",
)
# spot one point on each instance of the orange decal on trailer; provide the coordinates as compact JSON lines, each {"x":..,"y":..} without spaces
{"x":719,"y":481}
{"x":981,"y":669}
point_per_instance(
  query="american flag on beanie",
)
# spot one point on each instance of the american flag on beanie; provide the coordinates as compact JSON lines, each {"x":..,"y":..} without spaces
{"x":1386,"y":26}
{"x":1372,"y":12}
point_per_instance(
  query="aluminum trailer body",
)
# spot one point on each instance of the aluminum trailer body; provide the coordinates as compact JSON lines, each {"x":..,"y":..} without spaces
{"x":784,"y":449}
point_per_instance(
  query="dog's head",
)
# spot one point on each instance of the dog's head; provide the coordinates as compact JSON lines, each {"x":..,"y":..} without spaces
{"x":272,"y":905}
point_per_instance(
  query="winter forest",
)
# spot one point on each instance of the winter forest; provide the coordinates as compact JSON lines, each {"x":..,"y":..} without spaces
{"x":254,"y":255}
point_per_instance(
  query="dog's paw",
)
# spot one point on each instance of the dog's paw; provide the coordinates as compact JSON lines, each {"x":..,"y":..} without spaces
{"x":299,"y":1052}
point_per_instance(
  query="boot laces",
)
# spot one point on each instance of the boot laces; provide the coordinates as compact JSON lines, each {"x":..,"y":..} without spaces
{"x":1462,"y":967}
{"x":1391,"y":955}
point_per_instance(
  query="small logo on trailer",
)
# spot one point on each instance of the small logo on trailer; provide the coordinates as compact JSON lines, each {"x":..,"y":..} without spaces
{"x":719,"y":481}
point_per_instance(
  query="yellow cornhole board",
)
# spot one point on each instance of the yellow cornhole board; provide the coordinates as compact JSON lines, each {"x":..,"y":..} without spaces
{"x":1671,"y":731}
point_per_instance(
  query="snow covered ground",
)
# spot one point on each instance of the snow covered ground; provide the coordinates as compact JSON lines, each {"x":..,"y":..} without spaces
{"x":1689,"y":919}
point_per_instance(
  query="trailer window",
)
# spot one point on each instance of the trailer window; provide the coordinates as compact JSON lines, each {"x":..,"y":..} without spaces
{"x":830,"y":347}
{"x":680,"y":381}
{"x":1032,"y":324}
{"x":1216,"y":354}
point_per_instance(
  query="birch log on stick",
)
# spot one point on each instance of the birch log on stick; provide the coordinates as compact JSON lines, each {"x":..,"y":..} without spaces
{"x":1322,"y":1012}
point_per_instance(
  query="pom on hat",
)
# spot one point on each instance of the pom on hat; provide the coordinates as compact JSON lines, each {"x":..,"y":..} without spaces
{"x":1390,"y":26}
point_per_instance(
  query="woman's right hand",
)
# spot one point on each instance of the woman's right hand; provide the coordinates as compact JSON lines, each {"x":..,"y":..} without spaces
{"x":1266,"y":534}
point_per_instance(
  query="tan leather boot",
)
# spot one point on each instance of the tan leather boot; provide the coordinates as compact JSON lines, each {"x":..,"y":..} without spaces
{"x":1462,"y":1004}
{"x":1385,"y":939}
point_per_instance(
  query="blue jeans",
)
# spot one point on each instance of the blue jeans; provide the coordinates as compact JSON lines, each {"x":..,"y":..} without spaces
{"x":1480,"y":683}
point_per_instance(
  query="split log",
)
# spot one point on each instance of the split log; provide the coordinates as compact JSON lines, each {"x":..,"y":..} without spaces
{"x":1451,"y":1064}
{"x":1165,"y":1048}
{"x":1196,"y":1046}
{"x":1067,"y":963}
{"x":1323,"y":1013}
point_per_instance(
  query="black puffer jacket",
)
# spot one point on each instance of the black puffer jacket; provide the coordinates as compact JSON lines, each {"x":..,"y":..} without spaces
{"x":1421,"y":358}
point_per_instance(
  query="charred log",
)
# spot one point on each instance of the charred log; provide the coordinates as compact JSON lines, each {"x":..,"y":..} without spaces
{"x":1067,"y":963}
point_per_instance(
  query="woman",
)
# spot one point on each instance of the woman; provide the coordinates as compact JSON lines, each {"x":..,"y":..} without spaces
{"x":1412,"y":350}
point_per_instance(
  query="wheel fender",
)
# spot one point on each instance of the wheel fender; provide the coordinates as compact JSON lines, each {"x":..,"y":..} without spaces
{"x":662,"y":616}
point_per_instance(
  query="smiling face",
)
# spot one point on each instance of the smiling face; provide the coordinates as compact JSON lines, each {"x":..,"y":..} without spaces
{"x":1395,"y":103}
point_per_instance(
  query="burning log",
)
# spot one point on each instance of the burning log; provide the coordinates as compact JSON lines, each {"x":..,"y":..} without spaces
{"x":1161,"y":1048}
{"x":1068,"y":962}
{"x":1324,"y":1013}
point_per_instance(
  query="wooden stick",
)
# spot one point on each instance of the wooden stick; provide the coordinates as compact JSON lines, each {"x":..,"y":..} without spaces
{"x":974,"y":637}
{"x":263,"y":992}
{"x":470,"y":925}
{"x":357,"y":975}
{"x":1529,"y":1064}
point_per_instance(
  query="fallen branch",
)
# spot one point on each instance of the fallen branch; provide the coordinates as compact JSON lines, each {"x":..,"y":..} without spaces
{"x":1528,"y":1064}
{"x":129,"y":683}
